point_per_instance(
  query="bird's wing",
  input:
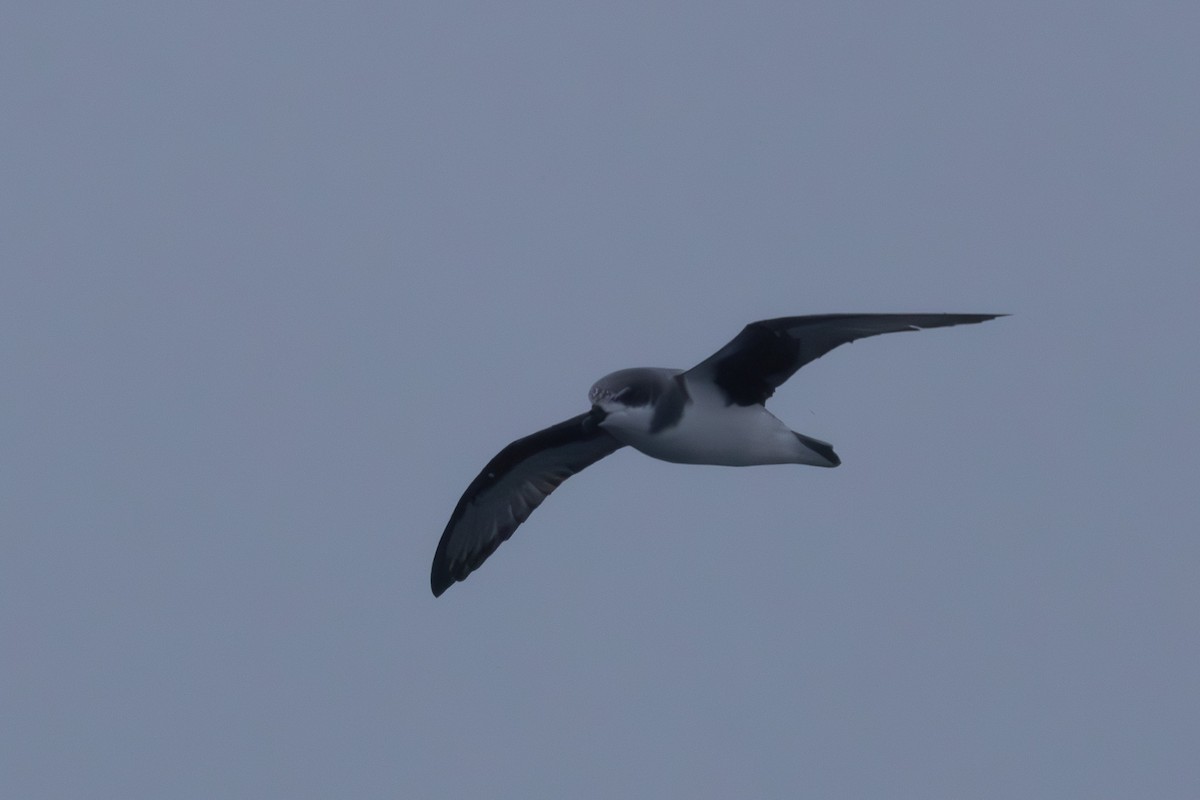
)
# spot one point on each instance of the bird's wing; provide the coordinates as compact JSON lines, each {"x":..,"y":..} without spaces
{"x":507,"y":491}
{"x":765,"y":354}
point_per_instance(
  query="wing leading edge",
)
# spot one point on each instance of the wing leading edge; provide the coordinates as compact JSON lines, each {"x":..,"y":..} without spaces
{"x":509,"y":488}
{"x":765,"y":354}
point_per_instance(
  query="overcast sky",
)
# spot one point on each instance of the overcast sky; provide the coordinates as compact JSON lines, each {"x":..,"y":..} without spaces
{"x":277,"y":279}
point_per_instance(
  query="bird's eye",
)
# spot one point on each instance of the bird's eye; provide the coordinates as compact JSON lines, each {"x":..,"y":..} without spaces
{"x":632,"y":396}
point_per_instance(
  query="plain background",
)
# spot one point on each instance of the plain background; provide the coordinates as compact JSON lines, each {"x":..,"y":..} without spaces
{"x":277,"y":279}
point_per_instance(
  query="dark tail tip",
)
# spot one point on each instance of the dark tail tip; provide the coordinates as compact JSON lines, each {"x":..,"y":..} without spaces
{"x":822,"y":449}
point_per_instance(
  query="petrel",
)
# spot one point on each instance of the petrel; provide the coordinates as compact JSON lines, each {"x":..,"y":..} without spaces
{"x":713,"y":413}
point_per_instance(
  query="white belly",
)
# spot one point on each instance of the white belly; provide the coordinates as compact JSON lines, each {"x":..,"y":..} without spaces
{"x":711,"y":432}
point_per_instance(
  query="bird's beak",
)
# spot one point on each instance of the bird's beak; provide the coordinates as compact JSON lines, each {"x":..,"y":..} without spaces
{"x":594,"y":418}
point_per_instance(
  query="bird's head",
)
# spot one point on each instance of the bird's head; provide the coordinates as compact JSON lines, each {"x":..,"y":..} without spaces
{"x":627,"y":398}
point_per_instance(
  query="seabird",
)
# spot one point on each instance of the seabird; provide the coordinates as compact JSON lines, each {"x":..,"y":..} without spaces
{"x":713,"y":413}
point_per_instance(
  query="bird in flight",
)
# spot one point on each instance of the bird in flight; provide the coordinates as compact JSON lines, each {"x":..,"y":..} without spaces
{"x":713,"y":413}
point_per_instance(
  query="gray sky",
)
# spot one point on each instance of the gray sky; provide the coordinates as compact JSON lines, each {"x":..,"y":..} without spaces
{"x":279,"y":278}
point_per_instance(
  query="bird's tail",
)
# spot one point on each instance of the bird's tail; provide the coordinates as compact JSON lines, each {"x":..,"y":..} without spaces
{"x":816,"y":452}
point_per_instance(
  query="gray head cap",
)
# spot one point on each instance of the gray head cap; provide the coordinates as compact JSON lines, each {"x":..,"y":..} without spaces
{"x":638,"y":386}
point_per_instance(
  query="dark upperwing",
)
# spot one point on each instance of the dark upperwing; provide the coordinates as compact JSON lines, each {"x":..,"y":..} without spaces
{"x":509,"y":488}
{"x":765,"y":354}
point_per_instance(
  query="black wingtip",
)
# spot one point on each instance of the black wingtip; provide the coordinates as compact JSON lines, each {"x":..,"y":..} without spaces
{"x":440,"y":580}
{"x":947,"y":320}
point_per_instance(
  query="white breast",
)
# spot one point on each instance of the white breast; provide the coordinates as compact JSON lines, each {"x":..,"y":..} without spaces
{"x":711,"y":432}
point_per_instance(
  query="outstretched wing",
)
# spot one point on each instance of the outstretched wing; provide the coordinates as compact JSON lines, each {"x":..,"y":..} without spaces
{"x":765,"y":354}
{"x":507,"y":491}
